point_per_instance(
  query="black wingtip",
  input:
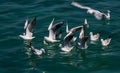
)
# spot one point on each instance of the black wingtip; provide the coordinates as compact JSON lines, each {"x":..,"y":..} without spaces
{"x":109,"y":36}
{"x":99,"y":32}
{"x":33,"y":20}
{"x":62,"y":22}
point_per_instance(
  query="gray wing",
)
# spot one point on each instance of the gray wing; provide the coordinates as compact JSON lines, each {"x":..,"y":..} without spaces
{"x":73,"y":30}
{"x":53,"y":29}
{"x":32,"y":24}
{"x":76,"y":29}
{"x":57,"y":26}
{"x":68,"y":39}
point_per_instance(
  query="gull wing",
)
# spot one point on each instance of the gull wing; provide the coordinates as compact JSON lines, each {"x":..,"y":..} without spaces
{"x":51,"y":24}
{"x":85,"y":22}
{"x":53,"y":28}
{"x":68,"y":39}
{"x":32,"y":24}
{"x":76,"y":29}
{"x":73,"y":30}
{"x":79,"y":5}
{"x":29,"y":29}
{"x":57,"y":26}
{"x":26,"y":23}
{"x":67,"y":29}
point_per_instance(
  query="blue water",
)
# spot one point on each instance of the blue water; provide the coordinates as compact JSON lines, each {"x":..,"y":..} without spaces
{"x":14,"y":54}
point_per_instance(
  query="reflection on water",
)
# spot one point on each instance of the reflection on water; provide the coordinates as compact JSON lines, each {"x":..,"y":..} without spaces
{"x":94,"y":42}
{"x":27,"y":42}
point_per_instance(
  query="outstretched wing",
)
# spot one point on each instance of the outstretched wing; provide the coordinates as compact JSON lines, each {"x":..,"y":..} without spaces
{"x":29,"y":29}
{"x":76,"y":29}
{"x":32,"y":24}
{"x":67,"y":29}
{"x":51,"y":24}
{"x":79,"y":5}
{"x":26,"y":23}
{"x":68,"y":39}
{"x":57,"y":26}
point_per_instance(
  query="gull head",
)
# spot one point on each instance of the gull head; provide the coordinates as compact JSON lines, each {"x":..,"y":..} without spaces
{"x":43,"y":50}
{"x":90,"y":33}
{"x":108,"y":14}
{"x":108,"y":11}
{"x":60,"y":45}
{"x":101,"y":40}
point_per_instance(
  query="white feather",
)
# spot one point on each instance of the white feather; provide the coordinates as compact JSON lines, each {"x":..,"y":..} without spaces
{"x":51,"y":24}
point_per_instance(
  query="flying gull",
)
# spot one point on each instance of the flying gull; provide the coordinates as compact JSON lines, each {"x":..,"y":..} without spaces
{"x":98,"y":15}
{"x":67,"y":43}
{"x":67,"y":31}
{"x":28,"y":29}
{"x":69,"y":38}
{"x":52,"y":29}
{"x":73,"y":30}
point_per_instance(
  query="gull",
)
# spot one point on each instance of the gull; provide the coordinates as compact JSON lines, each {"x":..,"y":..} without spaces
{"x":83,"y":39}
{"x":67,"y":31}
{"x":82,"y":33}
{"x":67,"y":43}
{"x":52,"y":28}
{"x":73,"y":30}
{"x":106,"y":42}
{"x":98,"y":15}
{"x":28,"y":29}
{"x":94,"y":37}
{"x":36,"y":51}
{"x":69,"y":38}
